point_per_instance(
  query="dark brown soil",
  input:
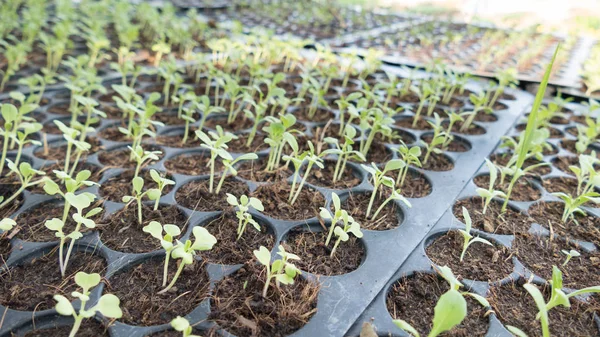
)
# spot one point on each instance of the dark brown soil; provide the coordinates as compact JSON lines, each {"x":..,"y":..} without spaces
{"x":413,"y":299}
{"x":549,"y":214}
{"x":228,"y":249}
{"x":192,"y":163}
{"x":59,"y":152}
{"x":563,"y":162}
{"x":120,"y":157}
{"x":493,"y":221}
{"x":275,"y":200}
{"x":569,"y":145}
{"x":173,"y":333}
{"x":31,"y":287}
{"x":523,"y":190}
{"x":30,"y":224}
{"x":436,"y":162}
{"x":315,"y":256}
{"x":388,"y":218}
{"x":255,"y":170}
{"x":238,"y":306}
{"x":170,"y":118}
{"x":473,"y":129}
{"x":321,"y":115}
{"x":561,"y":184}
{"x":240,"y":123}
{"x":122,"y":231}
{"x":88,"y":328}
{"x":579,"y":119}
{"x":539,"y":254}
{"x":7,"y":189}
{"x":454,"y":146}
{"x":503,"y":159}
{"x":175,"y":139}
{"x":481,"y":261}
{"x":138,"y":288}
{"x":5,"y":249}
{"x":195,"y":195}
{"x":115,"y":188}
{"x":239,"y":145}
{"x":113,"y":133}
{"x":378,"y":154}
{"x":324,"y":177}
{"x":514,"y":306}
{"x":407,"y":123}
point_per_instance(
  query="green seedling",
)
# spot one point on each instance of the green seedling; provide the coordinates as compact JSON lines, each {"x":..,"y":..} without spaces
{"x":142,"y":157}
{"x":138,"y":194}
{"x":348,"y":226}
{"x":570,"y":254}
{"x":161,"y":183}
{"x":6,"y":225}
{"x":490,"y":193}
{"x":108,"y":304}
{"x":438,"y":139}
{"x":282,"y":270}
{"x":216,"y":142}
{"x":25,"y":174}
{"x":469,"y":239}
{"x":155,"y":229}
{"x":71,"y":185}
{"x":244,"y":217}
{"x":182,"y":325}
{"x":230,"y":167}
{"x":410,"y":157}
{"x":203,"y":241}
{"x":312,"y":159}
{"x":79,"y":202}
{"x":380,"y":178}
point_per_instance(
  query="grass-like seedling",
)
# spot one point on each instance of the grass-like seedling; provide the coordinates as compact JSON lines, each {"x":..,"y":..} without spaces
{"x":570,"y":254}
{"x":108,"y":305}
{"x":243,"y":206}
{"x":216,"y":142}
{"x":80,"y":202}
{"x":312,"y":159}
{"x":25,"y":173}
{"x":182,"y":325}
{"x":203,"y":241}
{"x":469,"y":239}
{"x":155,"y":229}
{"x":282,"y":270}
{"x":138,"y":194}
{"x":490,"y":193}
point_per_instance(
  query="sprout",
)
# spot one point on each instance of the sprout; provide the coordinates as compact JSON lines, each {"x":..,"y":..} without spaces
{"x":410,"y":156}
{"x":10,"y":115}
{"x":203,"y":104}
{"x":80,"y":202}
{"x":438,"y":139}
{"x":71,"y":186}
{"x":217,"y":146}
{"x":182,"y":325}
{"x":573,"y":204}
{"x":6,"y":225}
{"x":466,"y":233}
{"x":243,"y":206}
{"x":348,"y":226}
{"x":108,"y":304}
{"x":343,"y":152}
{"x":141,"y":156}
{"x":138,"y":185}
{"x":161,"y":184}
{"x":479,"y":102}
{"x":506,"y":78}
{"x":25,"y":173}
{"x":312,"y":159}
{"x":380,"y":178}
{"x":585,"y":172}
{"x":490,"y":193}
{"x":155,"y":229}
{"x":278,"y":137}
{"x":71,"y":135}
{"x":338,"y":214}
{"x":282,"y":270}
{"x":203,"y":241}
{"x":570,"y":254}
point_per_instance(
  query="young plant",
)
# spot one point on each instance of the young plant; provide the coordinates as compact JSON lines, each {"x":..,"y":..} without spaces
{"x":80,"y":202}
{"x":25,"y":174}
{"x":506,"y":79}
{"x":348,"y":226}
{"x":410,"y":157}
{"x":278,"y":136}
{"x":380,"y":178}
{"x":155,"y":229}
{"x":216,"y":142}
{"x":343,"y":152}
{"x":490,"y":193}
{"x":282,"y":270}
{"x":182,"y":325}
{"x":570,"y":254}
{"x":6,"y":225}
{"x":338,"y":214}
{"x":244,"y":217}
{"x":108,"y":304}
{"x":468,"y":238}
{"x":141,"y":157}
{"x":203,"y":241}
{"x":438,"y":139}
{"x":71,"y":185}
{"x":573,"y":204}
{"x":138,"y":185}
{"x":312,"y":159}
{"x":230,"y":167}
{"x":161,"y":183}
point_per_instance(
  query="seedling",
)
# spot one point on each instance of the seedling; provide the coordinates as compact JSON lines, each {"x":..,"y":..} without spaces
{"x":203,"y":241}
{"x":348,"y":226}
{"x":6,"y":225}
{"x":379,"y":178}
{"x":278,"y":136}
{"x":438,"y":139}
{"x":468,"y":238}
{"x":410,"y":157}
{"x":573,"y":204}
{"x":244,"y":217}
{"x":161,"y":184}
{"x":108,"y":304}
{"x":141,"y":157}
{"x":282,"y":270}
{"x":71,"y":186}
{"x":490,"y":193}
{"x":80,"y":202}
{"x":570,"y":254}
{"x":216,"y":142}
{"x":506,"y":79}
{"x":182,"y":325}
{"x":155,"y":229}
{"x":343,"y":152}
{"x":25,"y":173}
{"x":312,"y":159}
{"x":138,"y":185}
{"x":338,"y":214}
{"x":10,"y":115}
{"x":230,"y":168}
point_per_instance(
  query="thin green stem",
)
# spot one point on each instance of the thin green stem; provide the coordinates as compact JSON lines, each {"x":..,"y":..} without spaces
{"x":179,"y":270}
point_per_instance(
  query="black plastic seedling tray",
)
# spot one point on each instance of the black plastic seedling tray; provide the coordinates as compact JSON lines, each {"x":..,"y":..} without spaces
{"x":342,"y":298}
{"x":377,"y":313}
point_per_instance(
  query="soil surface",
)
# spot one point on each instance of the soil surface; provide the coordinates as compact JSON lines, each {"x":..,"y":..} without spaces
{"x":502,"y":160}
{"x":192,"y":163}
{"x":494,"y":220}
{"x":562,"y":184}
{"x":413,"y":299}
{"x":229,"y":249}
{"x":549,"y":215}
{"x":514,"y":306}
{"x":30,"y":287}
{"x":523,"y":190}
{"x":89,"y":328}
{"x":563,"y":162}
{"x":436,"y":162}
{"x":115,"y":188}
{"x":138,"y":288}
{"x":481,"y":261}
{"x":315,"y":255}
{"x":456,"y":145}
{"x":275,"y":200}
{"x":238,"y":306}
{"x":256,"y":170}
{"x":389,"y":217}
{"x":120,"y":157}
{"x":324,"y":177}
{"x":195,"y":195}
